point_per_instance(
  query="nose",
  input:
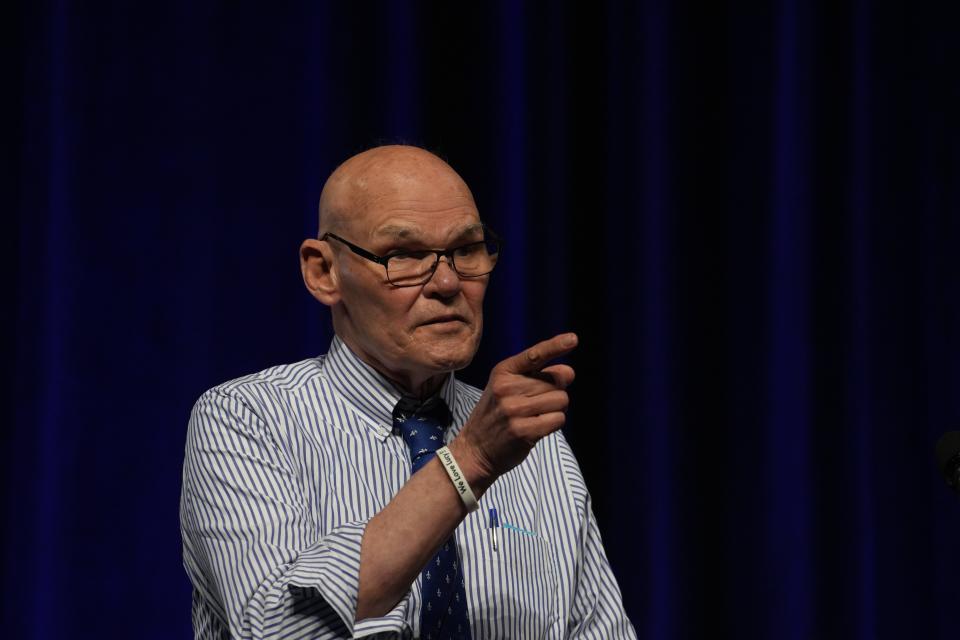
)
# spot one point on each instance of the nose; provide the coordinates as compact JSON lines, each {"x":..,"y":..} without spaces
{"x":445,"y":281}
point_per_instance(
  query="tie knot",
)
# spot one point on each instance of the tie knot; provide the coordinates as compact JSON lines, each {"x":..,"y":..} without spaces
{"x":422,"y":425}
{"x":433,"y":408}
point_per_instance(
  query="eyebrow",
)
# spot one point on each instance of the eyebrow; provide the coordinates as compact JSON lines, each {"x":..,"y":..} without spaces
{"x":400,"y":232}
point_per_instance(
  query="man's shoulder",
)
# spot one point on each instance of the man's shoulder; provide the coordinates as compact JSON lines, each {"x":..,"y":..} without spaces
{"x":280,"y":379}
{"x":256,"y":403}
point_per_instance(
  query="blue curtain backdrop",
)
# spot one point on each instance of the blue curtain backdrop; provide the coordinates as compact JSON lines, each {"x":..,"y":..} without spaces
{"x":750,"y":213}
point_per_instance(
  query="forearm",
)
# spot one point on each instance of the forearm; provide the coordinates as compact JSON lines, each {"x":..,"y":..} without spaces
{"x":515,"y":411}
{"x":401,"y":539}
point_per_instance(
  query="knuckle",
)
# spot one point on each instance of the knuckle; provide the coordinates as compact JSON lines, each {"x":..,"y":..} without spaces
{"x":515,"y":427}
{"x":499,"y":386}
{"x":510,"y":406}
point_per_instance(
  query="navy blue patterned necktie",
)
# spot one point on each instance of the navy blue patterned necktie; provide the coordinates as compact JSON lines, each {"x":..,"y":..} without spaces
{"x":443,"y":614}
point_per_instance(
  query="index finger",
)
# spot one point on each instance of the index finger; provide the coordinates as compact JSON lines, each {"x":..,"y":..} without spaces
{"x":533,"y":359}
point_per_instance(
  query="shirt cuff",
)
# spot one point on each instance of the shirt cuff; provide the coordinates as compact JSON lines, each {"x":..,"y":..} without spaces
{"x":332,"y":567}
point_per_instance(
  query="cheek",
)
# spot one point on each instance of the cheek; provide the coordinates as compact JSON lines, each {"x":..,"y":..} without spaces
{"x":474,"y":294}
{"x":390,"y":316}
{"x":375,"y":303}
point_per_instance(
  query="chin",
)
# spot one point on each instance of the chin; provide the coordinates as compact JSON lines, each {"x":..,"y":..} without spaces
{"x":454,"y":355}
{"x":445,"y":347}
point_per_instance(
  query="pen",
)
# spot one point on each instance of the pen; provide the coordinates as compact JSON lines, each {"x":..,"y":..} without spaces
{"x":494,"y":525}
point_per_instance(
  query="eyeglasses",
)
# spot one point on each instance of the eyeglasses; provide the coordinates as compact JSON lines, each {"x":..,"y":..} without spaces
{"x":412,"y":268}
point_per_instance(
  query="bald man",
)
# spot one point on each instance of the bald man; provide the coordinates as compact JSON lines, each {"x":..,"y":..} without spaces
{"x":314,"y":503}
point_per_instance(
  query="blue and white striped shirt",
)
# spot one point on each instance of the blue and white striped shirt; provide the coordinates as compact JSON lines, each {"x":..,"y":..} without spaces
{"x":285,"y":467}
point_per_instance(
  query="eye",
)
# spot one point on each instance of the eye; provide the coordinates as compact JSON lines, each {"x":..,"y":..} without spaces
{"x":467,"y":250}
{"x":404,"y":256}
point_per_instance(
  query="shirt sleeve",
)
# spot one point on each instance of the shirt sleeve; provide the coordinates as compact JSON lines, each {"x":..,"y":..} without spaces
{"x":596,"y":609}
{"x":251,"y":547}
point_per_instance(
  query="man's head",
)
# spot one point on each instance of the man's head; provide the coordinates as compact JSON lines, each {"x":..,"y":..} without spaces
{"x":389,"y":199}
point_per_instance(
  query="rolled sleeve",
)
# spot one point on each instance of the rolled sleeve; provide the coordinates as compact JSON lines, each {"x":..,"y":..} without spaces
{"x":251,"y":548}
{"x":333,"y":569}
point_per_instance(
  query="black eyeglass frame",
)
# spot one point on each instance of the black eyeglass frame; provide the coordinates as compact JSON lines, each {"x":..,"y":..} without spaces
{"x":488,"y":237}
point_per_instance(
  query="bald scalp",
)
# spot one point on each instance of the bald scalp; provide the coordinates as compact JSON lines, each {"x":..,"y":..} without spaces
{"x":361,"y":180}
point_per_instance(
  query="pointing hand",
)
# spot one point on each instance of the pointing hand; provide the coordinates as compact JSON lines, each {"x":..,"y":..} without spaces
{"x":524,"y":401}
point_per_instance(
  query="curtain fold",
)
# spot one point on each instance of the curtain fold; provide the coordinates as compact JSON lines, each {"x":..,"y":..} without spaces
{"x":750,"y":216}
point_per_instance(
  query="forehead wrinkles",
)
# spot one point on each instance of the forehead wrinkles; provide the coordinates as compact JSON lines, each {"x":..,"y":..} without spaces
{"x":436,"y":204}
{"x":413,"y":203}
{"x":413,"y":217}
{"x":401,"y":231}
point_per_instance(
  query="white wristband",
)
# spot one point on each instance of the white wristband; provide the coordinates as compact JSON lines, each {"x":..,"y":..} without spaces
{"x":456,"y":476}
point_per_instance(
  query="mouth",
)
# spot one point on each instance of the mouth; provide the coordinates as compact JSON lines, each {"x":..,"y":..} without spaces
{"x":448,"y":319}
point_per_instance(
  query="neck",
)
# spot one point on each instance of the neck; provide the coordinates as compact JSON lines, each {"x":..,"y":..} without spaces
{"x":429,"y":387}
{"x":422,"y":385}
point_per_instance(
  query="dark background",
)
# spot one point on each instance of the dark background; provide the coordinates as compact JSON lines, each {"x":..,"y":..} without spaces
{"x":749,"y":212}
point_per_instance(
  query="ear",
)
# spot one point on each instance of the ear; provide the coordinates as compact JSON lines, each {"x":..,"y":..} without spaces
{"x":319,"y":275}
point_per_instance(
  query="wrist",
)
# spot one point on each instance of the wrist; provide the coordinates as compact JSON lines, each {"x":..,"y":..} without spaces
{"x":476,"y":473}
{"x":452,"y":467}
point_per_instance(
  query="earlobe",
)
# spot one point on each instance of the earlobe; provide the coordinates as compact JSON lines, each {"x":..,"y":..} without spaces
{"x":319,"y":273}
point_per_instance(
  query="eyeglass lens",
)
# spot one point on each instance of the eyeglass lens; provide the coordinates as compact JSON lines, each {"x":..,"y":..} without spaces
{"x":470,"y":260}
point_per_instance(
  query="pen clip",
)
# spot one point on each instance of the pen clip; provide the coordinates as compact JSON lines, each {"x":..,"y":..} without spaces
{"x":494,"y":524}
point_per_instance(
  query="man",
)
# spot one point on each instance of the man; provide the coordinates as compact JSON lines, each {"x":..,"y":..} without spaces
{"x":302,"y":516}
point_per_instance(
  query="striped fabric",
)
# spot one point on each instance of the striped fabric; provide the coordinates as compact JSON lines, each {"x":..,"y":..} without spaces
{"x":284,"y":468}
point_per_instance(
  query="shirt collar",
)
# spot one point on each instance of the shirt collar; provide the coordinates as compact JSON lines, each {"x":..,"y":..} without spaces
{"x":371,"y":393}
